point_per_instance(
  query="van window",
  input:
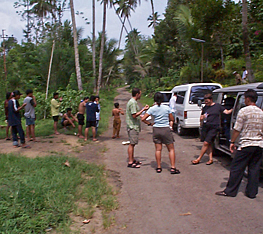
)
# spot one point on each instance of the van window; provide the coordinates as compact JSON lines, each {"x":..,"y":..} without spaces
{"x":180,"y":97}
{"x":166,"y":97}
{"x":198,"y":92}
{"x":241,"y":104}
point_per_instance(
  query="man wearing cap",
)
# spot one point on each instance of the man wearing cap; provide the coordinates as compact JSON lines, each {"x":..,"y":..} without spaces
{"x":14,"y":119}
{"x":237,"y":77}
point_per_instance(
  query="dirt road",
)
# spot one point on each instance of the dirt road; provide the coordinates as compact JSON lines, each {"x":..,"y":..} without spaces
{"x":185,"y":203}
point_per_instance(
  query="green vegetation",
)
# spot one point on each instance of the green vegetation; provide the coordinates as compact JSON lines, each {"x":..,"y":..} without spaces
{"x":37,"y":194}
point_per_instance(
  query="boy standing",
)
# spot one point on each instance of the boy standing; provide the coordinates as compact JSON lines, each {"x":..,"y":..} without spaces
{"x":30,"y":116}
{"x":55,"y":111}
{"x":91,"y":109}
{"x":117,"y":120}
{"x":14,"y":119}
{"x":81,"y":117}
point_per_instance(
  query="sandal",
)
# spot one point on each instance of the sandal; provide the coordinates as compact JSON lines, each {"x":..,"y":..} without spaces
{"x":133,"y":165}
{"x":209,"y":162}
{"x":137,"y":162}
{"x":174,"y":171}
{"x":195,"y":162}
{"x":158,"y":170}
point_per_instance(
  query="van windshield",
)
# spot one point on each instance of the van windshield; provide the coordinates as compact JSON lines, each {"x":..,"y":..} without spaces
{"x":198,"y":92}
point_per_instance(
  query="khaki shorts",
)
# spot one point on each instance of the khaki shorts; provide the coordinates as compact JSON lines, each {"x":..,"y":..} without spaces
{"x":133,"y":136}
{"x":162,"y":135}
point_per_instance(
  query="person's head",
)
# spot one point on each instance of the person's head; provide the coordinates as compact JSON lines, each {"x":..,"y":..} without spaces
{"x":208,"y":99}
{"x":175,"y":94}
{"x":243,"y":68}
{"x":116,"y":104}
{"x":136,"y":93}
{"x":29,"y":92}
{"x":86,"y":99}
{"x":251,"y":96}
{"x":68,"y":110}
{"x":158,"y":98}
{"x":234,"y":73}
{"x":16,"y":94}
{"x":8,"y":95}
{"x":55,"y":95}
{"x":97,"y":98}
{"x":92,"y":98}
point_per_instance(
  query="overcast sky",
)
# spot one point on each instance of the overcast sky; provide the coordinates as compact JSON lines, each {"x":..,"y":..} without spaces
{"x":12,"y":23}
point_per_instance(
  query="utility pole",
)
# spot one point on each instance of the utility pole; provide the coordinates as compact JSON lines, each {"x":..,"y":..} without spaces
{"x":5,"y":37}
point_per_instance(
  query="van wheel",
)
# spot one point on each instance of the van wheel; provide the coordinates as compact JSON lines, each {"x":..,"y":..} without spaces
{"x":180,"y":130}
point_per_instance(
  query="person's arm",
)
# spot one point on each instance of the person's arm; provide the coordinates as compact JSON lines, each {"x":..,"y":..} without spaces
{"x":139,"y":113}
{"x":171,"y":120}
{"x":227,"y":112}
{"x":145,"y":121}
{"x":235,"y":135}
{"x":69,"y":119}
{"x":16,"y":109}
{"x":121,"y":111}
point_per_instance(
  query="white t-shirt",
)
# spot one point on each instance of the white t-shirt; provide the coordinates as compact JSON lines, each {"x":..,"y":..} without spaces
{"x":172,"y":103}
{"x":244,"y":75}
{"x":160,"y":114}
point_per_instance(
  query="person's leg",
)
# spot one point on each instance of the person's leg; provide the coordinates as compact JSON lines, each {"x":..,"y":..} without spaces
{"x":171,"y":151}
{"x":21,"y":134}
{"x":210,"y":154}
{"x":27,"y":133}
{"x":114,"y":128}
{"x":86,"y":133}
{"x":97,"y":125}
{"x":254,"y":173}
{"x":203,"y":150}
{"x":237,"y":169}
{"x":80,"y":131}
{"x":65,"y":123}
{"x":131,"y":153}
{"x":118,"y":128}
{"x":158,"y":152}
{"x":56,"y":127}
{"x":32,"y":129}
{"x":7,"y":132}
{"x":94,"y":133}
{"x":14,"y":136}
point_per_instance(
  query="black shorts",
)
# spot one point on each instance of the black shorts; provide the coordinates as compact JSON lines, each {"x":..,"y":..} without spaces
{"x":209,"y":132}
{"x":81,"y":119}
{"x":55,"y":118}
{"x":90,"y":124}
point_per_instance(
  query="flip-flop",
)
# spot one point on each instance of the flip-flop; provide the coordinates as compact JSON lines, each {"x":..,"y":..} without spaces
{"x":137,"y":162}
{"x":158,"y":170}
{"x":195,"y":162}
{"x":209,"y":162}
{"x":133,"y":165}
{"x":174,"y":171}
{"x":26,"y":147}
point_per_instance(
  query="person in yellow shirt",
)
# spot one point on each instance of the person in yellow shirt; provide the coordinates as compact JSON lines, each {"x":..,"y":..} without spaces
{"x":55,"y":104}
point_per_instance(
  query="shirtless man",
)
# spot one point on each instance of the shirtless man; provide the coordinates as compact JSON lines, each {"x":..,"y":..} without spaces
{"x":117,"y":120}
{"x":81,"y":117}
{"x":68,"y":119}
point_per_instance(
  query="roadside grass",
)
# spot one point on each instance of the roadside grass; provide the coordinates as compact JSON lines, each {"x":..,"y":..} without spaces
{"x":146,"y":100}
{"x":38,"y":194}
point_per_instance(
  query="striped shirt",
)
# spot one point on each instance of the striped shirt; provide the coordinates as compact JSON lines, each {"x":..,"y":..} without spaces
{"x":250,"y":125}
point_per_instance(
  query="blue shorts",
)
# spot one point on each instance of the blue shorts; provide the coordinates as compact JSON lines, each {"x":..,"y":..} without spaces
{"x":30,"y":121}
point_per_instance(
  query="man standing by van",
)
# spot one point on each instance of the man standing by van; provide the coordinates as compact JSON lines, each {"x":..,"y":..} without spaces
{"x":172,"y":103}
{"x":249,"y":125}
{"x":133,"y":122}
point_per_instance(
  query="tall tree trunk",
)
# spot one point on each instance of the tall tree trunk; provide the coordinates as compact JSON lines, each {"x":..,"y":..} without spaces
{"x":154,"y":20}
{"x":246,"y":42}
{"x":102,"y":46}
{"x":121,"y":32}
{"x":75,"y":37}
{"x":93,"y":46}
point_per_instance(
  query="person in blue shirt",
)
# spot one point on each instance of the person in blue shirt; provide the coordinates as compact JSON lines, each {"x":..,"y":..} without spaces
{"x":91,"y":109}
{"x":162,"y":134}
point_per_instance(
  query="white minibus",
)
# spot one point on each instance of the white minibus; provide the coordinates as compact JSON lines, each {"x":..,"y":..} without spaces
{"x":187,"y":113}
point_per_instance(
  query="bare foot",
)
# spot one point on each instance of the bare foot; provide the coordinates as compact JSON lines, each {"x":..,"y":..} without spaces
{"x":85,"y":139}
{"x":117,"y":137}
{"x":57,"y":133}
{"x":94,"y":139}
{"x":82,"y":137}
{"x":113,"y":137}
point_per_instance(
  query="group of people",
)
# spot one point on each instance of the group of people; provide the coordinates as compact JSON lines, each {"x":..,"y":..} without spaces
{"x":13,"y":118}
{"x":248,"y":126}
{"x":243,"y":79}
{"x":90,"y":106}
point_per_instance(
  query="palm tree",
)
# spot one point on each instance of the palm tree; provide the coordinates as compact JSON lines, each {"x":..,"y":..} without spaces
{"x":93,"y":44}
{"x":75,"y":37}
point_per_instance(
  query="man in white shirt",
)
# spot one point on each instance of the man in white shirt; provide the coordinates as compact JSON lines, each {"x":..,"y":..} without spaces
{"x":172,"y":103}
{"x":244,"y":75}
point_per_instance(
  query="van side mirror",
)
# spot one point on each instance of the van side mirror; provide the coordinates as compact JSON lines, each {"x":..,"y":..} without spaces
{"x":199,"y":103}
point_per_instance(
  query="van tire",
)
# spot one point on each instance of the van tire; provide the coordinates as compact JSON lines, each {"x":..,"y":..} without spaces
{"x":180,"y":130}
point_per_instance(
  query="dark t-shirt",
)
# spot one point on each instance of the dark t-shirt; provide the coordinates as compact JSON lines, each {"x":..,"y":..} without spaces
{"x":213,"y":113}
{"x":91,"y":109}
{"x":13,"y":115}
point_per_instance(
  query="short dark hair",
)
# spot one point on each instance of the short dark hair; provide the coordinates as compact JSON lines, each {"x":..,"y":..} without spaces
{"x":158,"y":98}
{"x":92,"y":98}
{"x":208,"y":96}
{"x":68,"y":109}
{"x":135,"y":91}
{"x":85,"y":98}
{"x":244,"y":67}
{"x":55,"y":94}
{"x":252,"y":95}
{"x":8,"y":94}
{"x":97,"y":97}
{"x":116,"y":104}
{"x":16,"y":92}
{"x":28,"y":91}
